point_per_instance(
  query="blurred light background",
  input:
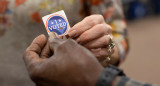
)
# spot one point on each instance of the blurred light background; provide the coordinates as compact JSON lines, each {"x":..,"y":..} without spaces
{"x":143,"y":61}
{"x":144,"y":31}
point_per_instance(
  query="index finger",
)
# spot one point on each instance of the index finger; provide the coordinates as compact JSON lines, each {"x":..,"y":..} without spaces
{"x":85,"y":25}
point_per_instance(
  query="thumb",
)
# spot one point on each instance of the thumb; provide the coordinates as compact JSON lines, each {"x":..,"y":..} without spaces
{"x":54,"y":41}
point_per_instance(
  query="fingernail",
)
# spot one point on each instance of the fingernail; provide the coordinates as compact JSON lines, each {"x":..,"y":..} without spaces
{"x":72,"y":33}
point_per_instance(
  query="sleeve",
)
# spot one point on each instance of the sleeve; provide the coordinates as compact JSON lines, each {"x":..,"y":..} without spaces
{"x":124,"y":81}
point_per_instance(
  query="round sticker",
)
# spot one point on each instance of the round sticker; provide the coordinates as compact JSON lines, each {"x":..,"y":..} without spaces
{"x":57,"y":24}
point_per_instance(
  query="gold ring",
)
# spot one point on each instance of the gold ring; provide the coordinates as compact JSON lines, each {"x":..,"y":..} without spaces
{"x":104,"y":63}
{"x":111,"y":44}
{"x":109,"y":48}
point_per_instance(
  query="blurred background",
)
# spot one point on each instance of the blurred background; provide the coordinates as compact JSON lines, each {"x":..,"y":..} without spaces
{"x":144,"y":31}
{"x":143,"y":18}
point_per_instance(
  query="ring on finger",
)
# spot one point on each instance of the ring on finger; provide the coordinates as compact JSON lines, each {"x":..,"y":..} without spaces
{"x":110,"y":47}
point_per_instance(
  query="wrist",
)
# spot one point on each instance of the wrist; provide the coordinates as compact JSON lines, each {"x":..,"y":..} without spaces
{"x":108,"y":76}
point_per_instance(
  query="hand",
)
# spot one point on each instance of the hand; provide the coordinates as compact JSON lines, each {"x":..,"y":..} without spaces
{"x":93,"y":33}
{"x":71,"y":64}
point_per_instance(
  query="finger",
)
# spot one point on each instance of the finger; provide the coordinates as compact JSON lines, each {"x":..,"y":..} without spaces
{"x":101,"y":53}
{"x":54,"y":41}
{"x":101,"y":42}
{"x":94,"y":33}
{"x":32,"y":54}
{"x":85,"y":24}
{"x":46,"y":52}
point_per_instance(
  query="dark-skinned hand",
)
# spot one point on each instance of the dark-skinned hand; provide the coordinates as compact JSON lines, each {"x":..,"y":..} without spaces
{"x":61,"y":63}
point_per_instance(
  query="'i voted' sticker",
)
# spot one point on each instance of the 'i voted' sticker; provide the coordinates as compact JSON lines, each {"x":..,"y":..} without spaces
{"x":57,"y":22}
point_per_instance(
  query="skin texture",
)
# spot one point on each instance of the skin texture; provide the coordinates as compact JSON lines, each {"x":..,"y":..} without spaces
{"x":92,"y":33}
{"x":61,"y":63}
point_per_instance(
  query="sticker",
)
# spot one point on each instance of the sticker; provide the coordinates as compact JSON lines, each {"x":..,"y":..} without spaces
{"x":57,"y":22}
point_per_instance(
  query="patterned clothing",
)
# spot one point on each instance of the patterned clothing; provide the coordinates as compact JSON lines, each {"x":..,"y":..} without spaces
{"x":28,"y":13}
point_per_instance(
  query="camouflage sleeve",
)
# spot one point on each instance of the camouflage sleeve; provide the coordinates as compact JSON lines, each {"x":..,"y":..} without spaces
{"x":124,"y":81}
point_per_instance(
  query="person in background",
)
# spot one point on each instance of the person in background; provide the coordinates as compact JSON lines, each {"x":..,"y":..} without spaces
{"x":70,"y":65}
{"x":26,"y":14}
